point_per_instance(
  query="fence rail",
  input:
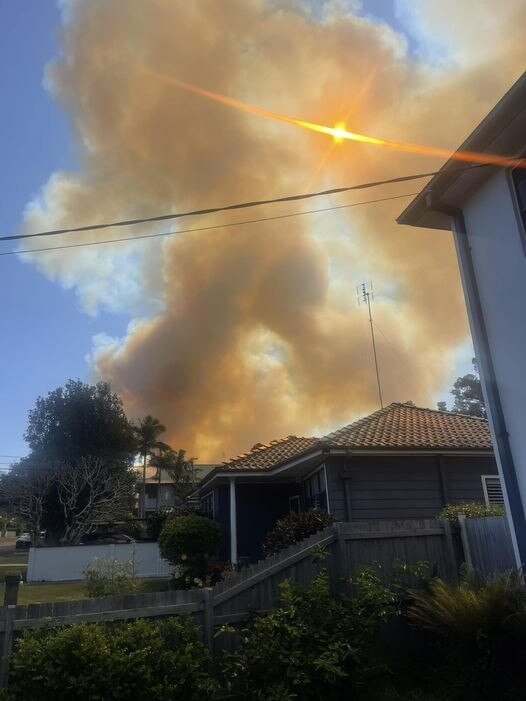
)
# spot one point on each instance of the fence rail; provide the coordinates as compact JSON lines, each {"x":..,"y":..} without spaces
{"x":255,"y":589}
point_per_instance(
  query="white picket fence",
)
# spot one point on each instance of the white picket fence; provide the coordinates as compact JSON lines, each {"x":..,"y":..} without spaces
{"x":60,"y":564}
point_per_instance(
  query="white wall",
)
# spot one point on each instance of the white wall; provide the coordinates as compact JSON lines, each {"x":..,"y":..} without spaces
{"x":66,"y":563}
{"x":500,"y":270}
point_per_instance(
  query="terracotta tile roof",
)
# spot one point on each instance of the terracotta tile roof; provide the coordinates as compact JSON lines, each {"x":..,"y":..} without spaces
{"x":406,"y":426}
{"x":263,"y":457}
{"x":396,"y":427}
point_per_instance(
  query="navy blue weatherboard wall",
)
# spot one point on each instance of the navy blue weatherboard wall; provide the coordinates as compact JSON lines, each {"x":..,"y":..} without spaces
{"x":412,"y":486}
{"x":360,"y":488}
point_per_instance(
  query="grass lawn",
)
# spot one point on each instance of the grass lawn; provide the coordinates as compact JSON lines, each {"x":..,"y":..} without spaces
{"x":12,"y":562}
{"x":65,"y":591}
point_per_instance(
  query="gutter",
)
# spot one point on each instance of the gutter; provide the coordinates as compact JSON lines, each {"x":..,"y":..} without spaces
{"x":480,"y":336}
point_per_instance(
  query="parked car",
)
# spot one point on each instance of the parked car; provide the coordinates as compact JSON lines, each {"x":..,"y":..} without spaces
{"x":25,"y":540}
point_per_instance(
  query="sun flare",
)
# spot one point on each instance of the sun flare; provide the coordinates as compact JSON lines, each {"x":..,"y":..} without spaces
{"x":339,"y":132}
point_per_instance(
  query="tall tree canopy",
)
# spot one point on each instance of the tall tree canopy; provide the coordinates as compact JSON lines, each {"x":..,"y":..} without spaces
{"x":467,"y":393}
{"x":79,"y":470}
{"x":78,"y":420}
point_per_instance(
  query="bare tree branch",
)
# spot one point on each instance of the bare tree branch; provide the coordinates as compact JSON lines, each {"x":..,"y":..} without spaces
{"x":27,"y":487}
{"x":90,"y":493}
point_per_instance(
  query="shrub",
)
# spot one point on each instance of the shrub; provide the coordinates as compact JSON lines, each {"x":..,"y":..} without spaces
{"x":118,"y":662}
{"x":186,"y":541}
{"x":110,"y":577}
{"x":295,"y":527}
{"x":132,"y":528}
{"x":479,"y":629}
{"x":155,"y":523}
{"x":189,"y":536}
{"x":470,"y":510}
{"x":312,"y":647}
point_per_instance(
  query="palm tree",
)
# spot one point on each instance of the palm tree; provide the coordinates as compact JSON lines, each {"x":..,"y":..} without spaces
{"x":147,"y":432}
{"x":179,"y":467}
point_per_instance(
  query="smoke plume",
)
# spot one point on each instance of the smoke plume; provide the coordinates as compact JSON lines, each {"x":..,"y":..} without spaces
{"x":250,"y":333}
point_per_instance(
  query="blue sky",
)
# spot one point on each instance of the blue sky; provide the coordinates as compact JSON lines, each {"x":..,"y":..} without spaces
{"x":45,"y":335}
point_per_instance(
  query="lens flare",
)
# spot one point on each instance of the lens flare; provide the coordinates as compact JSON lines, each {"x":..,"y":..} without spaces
{"x":340,"y":133}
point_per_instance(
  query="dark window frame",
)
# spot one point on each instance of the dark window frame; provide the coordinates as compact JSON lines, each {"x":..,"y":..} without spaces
{"x":208,"y":503}
{"x":315,"y":490}
{"x":150,"y":491}
{"x":296,"y":499}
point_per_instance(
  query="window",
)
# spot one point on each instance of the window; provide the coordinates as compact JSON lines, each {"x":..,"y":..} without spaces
{"x":207,"y":505}
{"x":316,"y":491}
{"x":151,"y":491}
{"x":518,"y":178}
{"x":295,"y":504}
{"x":492,"y":490}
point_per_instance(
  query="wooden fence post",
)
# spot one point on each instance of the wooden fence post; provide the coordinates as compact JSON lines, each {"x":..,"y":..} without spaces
{"x":340,"y":555}
{"x":7,"y":644}
{"x":465,"y":540}
{"x":450,"y":550}
{"x":208,"y":618}
{"x":12,"y":582}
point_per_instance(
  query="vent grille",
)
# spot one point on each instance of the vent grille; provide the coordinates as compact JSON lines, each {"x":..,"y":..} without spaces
{"x":492,"y":490}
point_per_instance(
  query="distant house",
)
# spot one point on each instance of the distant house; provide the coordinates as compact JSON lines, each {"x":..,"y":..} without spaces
{"x":400,"y":462}
{"x":161,"y":492}
{"x":485,"y":208}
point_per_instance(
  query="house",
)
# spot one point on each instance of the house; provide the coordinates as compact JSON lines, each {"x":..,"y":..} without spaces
{"x":400,"y":462}
{"x":485,"y":208}
{"x":160,"y":491}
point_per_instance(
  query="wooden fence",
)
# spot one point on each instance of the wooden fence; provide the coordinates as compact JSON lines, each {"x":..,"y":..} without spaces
{"x":346,"y":546}
{"x":487,"y":544}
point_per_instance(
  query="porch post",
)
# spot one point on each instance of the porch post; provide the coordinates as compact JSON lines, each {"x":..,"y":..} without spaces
{"x":233,"y":522}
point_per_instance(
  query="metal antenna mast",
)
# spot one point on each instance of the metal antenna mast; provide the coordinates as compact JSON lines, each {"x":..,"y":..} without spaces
{"x":365,"y":295}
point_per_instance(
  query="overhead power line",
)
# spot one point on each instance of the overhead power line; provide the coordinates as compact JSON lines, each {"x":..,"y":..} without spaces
{"x":205,"y":228}
{"x":239,"y":205}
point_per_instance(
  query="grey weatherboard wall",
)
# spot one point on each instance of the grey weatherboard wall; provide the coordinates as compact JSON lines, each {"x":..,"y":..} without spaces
{"x":365,"y":487}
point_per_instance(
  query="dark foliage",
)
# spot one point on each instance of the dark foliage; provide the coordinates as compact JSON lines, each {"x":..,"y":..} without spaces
{"x":478,"y":634}
{"x":186,"y":541}
{"x":295,"y":527}
{"x":314,"y":646}
{"x":155,"y":522}
{"x":98,"y":662}
{"x":78,"y":420}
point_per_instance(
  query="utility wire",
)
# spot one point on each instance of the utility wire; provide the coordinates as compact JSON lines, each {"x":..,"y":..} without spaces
{"x":206,"y":228}
{"x":239,"y":205}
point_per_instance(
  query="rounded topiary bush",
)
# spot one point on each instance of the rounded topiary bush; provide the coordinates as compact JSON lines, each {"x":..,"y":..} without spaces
{"x":189,"y":536}
{"x":295,"y":527}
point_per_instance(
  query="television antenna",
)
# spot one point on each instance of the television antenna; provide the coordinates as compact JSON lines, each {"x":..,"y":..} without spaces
{"x":365,"y":295}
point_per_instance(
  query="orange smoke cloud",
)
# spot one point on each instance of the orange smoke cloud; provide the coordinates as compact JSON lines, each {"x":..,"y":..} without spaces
{"x":247,"y":334}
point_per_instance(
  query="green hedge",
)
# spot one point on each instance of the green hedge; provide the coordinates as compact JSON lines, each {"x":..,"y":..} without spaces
{"x":117,"y":662}
{"x":470,"y":510}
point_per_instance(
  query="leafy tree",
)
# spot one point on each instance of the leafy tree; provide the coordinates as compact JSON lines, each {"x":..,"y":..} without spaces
{"x":78,"y":420}
{"x":467,"y":392}
{"x":147,"y":432}
{"x":79,"y":471}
